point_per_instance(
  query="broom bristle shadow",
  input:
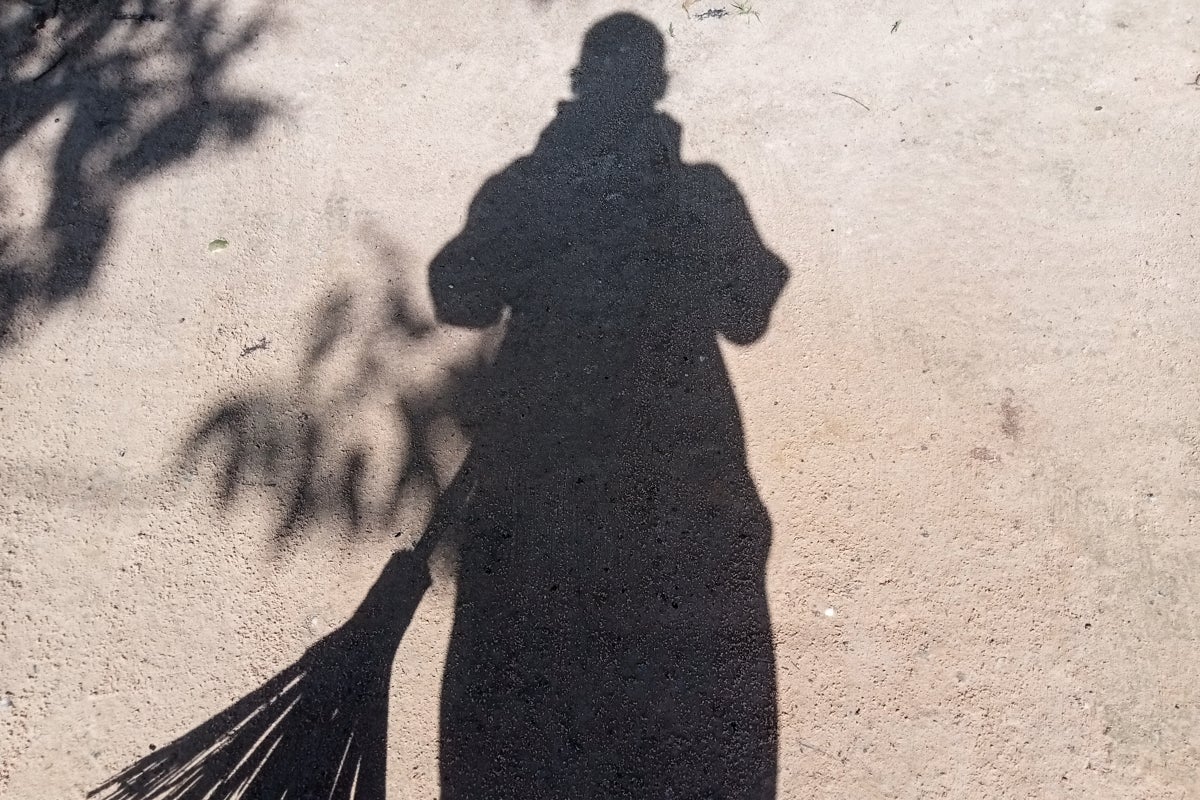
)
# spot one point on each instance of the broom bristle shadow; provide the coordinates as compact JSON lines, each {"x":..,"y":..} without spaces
{"x":316,"y":729}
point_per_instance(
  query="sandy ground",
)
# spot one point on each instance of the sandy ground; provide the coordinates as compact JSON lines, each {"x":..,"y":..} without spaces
{"x":973,"y":419}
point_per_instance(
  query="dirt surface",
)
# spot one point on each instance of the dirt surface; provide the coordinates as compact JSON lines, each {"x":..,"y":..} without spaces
{"x":230,"y":376}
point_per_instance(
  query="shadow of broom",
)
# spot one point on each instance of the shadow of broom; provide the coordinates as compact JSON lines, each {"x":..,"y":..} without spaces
{"x":319,"y":727}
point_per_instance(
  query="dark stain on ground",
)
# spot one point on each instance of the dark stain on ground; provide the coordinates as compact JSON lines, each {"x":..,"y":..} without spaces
{"x":984,"y":454}
{"x":1010,"y":418}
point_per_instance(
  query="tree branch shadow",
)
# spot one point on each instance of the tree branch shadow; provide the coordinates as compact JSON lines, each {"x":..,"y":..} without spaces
{"x":137,"y":92}
{"x":299,"y":439}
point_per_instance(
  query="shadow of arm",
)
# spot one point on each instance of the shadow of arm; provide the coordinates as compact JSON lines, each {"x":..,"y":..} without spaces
{"x":465,"y":277}
{"x":748,"y":278}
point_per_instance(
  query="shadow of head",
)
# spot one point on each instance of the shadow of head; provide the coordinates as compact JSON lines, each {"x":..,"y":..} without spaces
{"x":621,"y":64}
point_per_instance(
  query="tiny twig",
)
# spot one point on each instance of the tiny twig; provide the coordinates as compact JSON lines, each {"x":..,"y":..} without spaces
{"x":61,"y":57}
{"x":744,"y":9}
{"x":816,"y":749}
{"x":896,"y":26}
{"x":261,"y":344}
{"x":855,"y":99}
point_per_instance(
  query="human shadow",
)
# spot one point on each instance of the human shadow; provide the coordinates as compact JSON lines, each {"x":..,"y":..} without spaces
{"x":134,"y":89}
{"x":611,"y":635}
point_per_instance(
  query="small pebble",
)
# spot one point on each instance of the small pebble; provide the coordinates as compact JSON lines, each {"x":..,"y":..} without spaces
{"x":829,"y":612}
